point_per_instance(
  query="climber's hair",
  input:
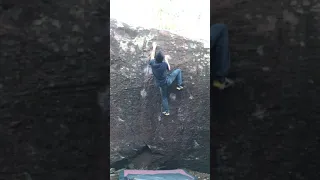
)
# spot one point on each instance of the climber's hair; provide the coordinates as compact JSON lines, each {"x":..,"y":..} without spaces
{"x":159,"y":57}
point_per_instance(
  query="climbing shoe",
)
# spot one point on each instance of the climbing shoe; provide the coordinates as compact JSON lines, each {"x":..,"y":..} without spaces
{"x":223,"y":84}
{"x":166,"y":113}
{"x":179,"y":87}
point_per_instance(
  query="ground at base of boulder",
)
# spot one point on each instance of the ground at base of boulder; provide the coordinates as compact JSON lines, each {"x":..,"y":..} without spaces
{"x":200,"y":176}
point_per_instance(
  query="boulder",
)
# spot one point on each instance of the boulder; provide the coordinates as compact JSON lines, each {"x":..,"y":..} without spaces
{"x":135,"y":101}
{"x":275,"y":58}
{"x":50,"y":76}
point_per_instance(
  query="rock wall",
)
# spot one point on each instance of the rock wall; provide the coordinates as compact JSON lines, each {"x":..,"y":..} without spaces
{"x":52,"y":65}
{"x":135,"y":112}
{"x":266,"y":126}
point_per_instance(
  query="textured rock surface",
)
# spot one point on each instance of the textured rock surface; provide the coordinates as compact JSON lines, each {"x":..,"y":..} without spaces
{"x":135,"y":110}
{"x":52,"y":65}
{"x":267,"y":126}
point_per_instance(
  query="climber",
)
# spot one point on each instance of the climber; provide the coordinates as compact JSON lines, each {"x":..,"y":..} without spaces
{"x":160,"y":65}
{"x":219,"y":48}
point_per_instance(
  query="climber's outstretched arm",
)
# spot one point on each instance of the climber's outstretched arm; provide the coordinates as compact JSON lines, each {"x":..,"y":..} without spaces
{"x":153,"y":52}
{"x":166,"y":59}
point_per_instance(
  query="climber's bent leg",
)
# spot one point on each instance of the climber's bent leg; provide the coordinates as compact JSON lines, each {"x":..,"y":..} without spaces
{"x":176,"y":74}
{"x":219,"y":42}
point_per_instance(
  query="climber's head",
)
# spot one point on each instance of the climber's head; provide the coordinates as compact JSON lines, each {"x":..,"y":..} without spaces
{"x":159,"y":57}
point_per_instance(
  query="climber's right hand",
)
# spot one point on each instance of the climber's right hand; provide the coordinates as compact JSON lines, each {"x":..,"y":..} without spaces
{"x":154,"y":45}
{"x":153,"y":52}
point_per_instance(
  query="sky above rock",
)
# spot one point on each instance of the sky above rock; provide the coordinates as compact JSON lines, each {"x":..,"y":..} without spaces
{"x":189,"y":18}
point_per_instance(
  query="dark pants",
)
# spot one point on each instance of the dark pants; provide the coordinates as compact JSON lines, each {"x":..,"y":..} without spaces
{"x":219,"y":42}
{"x":176,"y":74}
